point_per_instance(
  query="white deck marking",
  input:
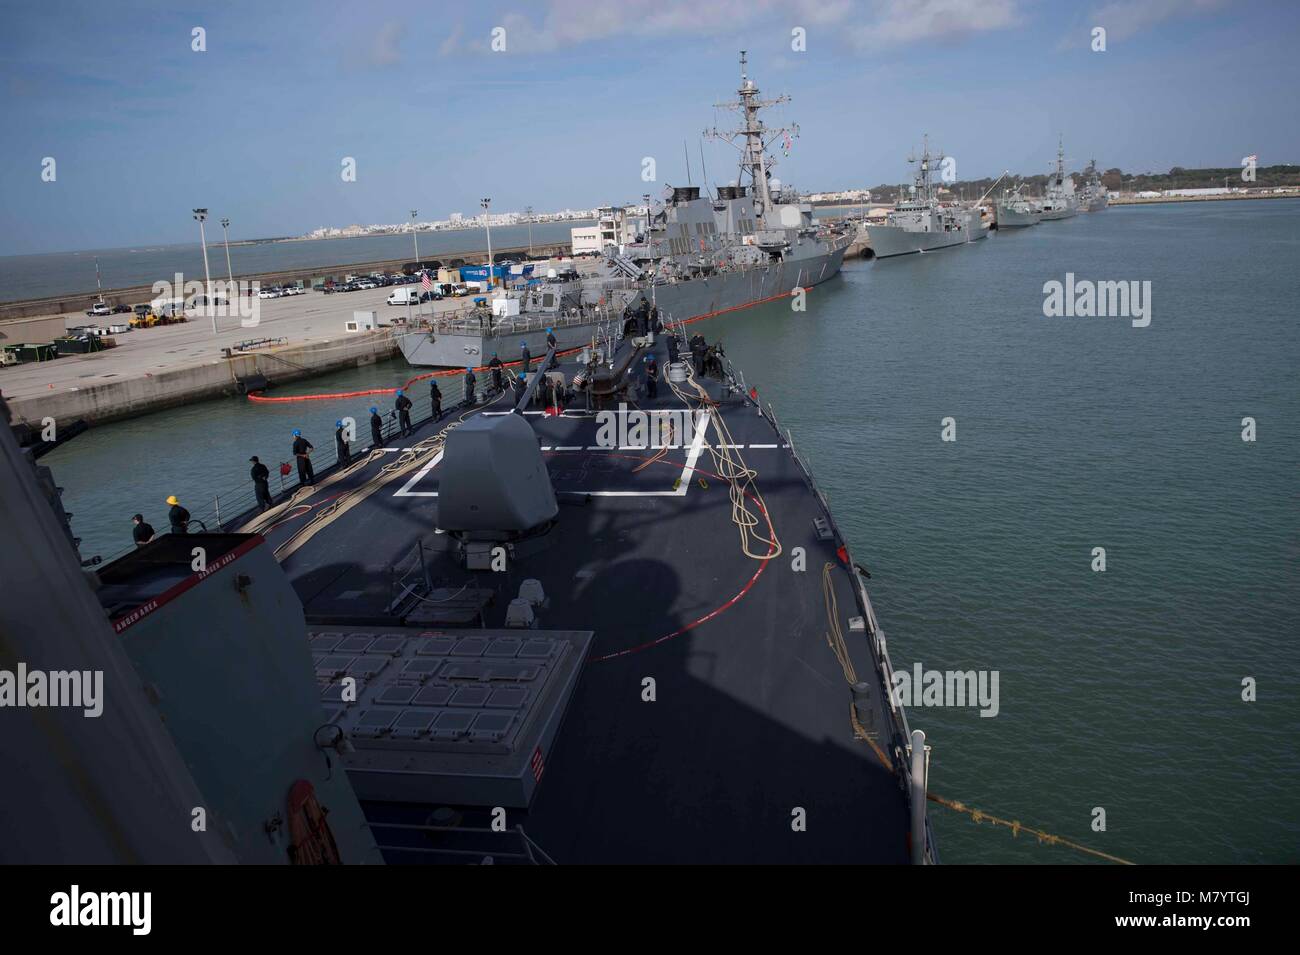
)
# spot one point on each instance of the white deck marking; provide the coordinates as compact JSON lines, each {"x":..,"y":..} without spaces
{"x":406,"y":489}
{"x":683,"y":480}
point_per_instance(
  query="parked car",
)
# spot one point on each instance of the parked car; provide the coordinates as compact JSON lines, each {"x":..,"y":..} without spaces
{"x":268,"y":292}
{"x":121,"y":309}
{"x":98,"y":309}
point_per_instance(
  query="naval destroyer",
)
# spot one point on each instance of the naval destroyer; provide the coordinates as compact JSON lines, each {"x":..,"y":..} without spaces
{"x":600,"y":614}
{"x":921,"y":223}
{"x":700,"y":255}
{"x":1093,"y":196}
{"x":1059,"y":201}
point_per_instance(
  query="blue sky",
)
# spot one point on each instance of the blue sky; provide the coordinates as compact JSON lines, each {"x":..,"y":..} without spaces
{"x":143,"y":128}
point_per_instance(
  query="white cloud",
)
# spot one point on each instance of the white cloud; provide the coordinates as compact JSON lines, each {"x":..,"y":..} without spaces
{"x":901,"y":22}
{"x":1124,"y":18}
{"x":568,"y":23}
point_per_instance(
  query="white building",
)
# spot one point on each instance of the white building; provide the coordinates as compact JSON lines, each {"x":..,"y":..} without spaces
{"x":613,"y":227}
{"x":585,"y":239}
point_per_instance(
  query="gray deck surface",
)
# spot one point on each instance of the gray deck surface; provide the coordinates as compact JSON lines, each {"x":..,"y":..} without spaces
{"x":751,"y":719}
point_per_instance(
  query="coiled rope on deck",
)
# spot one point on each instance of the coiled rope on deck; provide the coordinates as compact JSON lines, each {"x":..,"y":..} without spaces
{"x":730,"y":465}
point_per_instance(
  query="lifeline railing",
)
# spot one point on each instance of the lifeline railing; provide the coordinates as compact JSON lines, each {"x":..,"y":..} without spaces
{"x":910,"y":754}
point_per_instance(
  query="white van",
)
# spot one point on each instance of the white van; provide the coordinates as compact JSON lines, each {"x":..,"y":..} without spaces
{"x":404,"y":296}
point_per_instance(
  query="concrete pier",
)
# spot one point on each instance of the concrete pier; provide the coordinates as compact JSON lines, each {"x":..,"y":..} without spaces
{"x":156,"y":368}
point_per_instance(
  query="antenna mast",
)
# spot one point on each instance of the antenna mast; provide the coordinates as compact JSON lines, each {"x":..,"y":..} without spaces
{"x":754,"y":136}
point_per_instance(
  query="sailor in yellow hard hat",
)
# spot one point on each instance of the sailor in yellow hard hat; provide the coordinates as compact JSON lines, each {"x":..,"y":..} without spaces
{"x":178,"y":516}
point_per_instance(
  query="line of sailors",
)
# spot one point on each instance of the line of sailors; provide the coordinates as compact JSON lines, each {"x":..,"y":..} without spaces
{"x":179,"y":518}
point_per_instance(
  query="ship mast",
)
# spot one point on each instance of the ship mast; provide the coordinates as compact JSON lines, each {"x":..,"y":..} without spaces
{"x":754,"y":136}
{"x":923,"y":180}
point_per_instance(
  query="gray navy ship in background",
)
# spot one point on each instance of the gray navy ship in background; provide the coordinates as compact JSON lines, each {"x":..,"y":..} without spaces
{"x":922,"y":223}
{"x":1093,"y":197}
{"x":1060,"y":201}
{"x":1016,"y":210}
{"x":699,"y":256}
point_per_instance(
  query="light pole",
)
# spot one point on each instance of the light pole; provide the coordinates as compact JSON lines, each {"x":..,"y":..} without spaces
{"x":200,"y":215}
{"x":415,"y":237}
{"x":650,"y":246}
{"x":487,"y":224}
{"x":528,"y":211}
{"x":230,"y":273}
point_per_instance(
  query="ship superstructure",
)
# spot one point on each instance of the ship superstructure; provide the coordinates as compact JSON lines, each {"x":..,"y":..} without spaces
{"x":754,"y":240}
{"x":1016,"y":210}
{"x":1059,"y":201}
{"x":920,"y":222}
{"x":1093,"y":197}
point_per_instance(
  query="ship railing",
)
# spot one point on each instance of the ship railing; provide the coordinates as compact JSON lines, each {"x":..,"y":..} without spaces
{"x":911,"y":764}
{"x":526,"y":850}
{"x":476,"y":323}
{"x":233,"y":507}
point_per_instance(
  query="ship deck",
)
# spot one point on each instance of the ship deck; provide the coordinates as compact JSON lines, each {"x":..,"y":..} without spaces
{"x":751,"y":718}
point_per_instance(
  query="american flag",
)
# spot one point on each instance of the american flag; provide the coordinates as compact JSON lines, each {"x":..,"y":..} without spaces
{"x":425,"y":283}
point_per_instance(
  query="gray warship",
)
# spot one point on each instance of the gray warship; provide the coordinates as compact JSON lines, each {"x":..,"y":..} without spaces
{"x":563,"y":621}
{"x":1060,"y":201}
{"x":921,"y":223}
{"x":699,"y":256}
{"x":1016,"y":210}
{"x":1093,"y":197}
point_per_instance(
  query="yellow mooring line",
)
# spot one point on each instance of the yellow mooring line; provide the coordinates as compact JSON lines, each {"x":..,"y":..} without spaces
{"x":979,"y":815}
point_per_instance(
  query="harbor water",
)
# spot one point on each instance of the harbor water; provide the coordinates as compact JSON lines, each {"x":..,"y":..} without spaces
{"x":1120,"y":691}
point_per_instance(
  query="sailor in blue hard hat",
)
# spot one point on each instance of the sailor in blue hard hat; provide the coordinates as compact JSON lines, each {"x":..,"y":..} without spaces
{"x":302,"y":449}
{"x":341,"y":444}
{"x":471,"y":383}
{"x":376,"y":429}
{"x":550,"y":345}
{"x":527,"y":356}
{"x":435,"y":398}
{"x":495,"y":365}
{"x":403,"y":406}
